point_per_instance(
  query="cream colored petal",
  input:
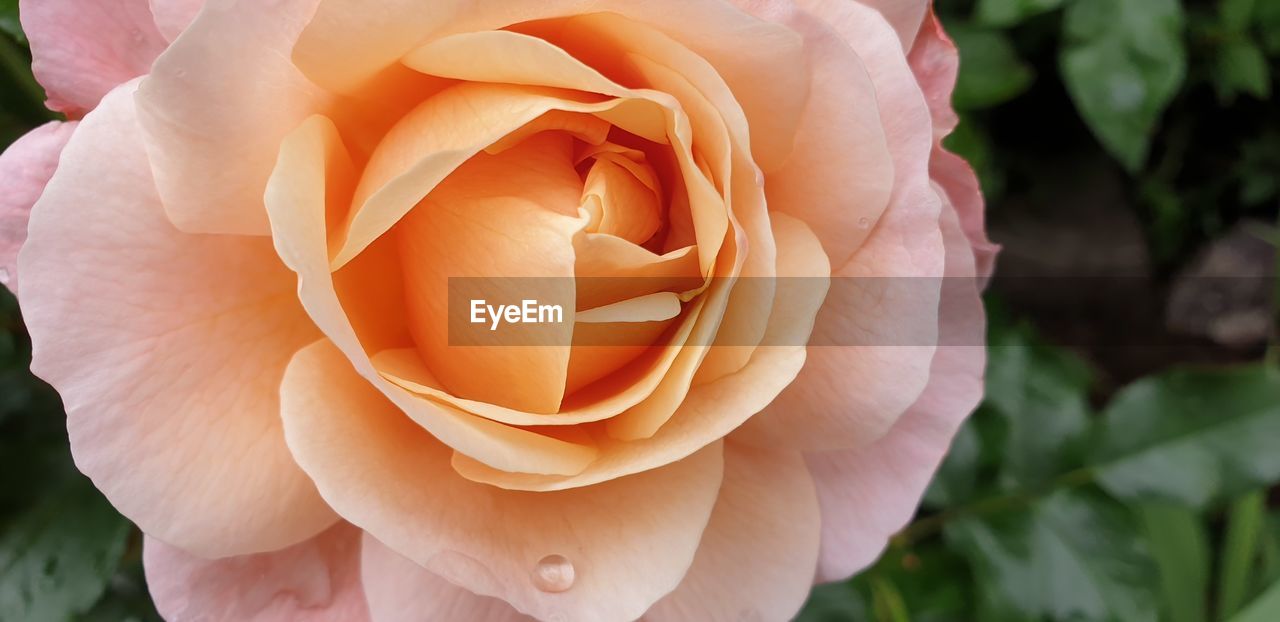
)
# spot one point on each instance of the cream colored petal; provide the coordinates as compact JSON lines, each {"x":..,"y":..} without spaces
{"x":200,"y":110}
{"x":351,"y":40}
{"x":611,"y":269}
{"x":296,"y":197}
{"x":173,"y":16}
{"x":167,"y":349}
{"x":630,"y":541}
{"x":757,"y":558}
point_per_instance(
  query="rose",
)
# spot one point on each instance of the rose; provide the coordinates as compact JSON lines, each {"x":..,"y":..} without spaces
{"x":235,"y":279}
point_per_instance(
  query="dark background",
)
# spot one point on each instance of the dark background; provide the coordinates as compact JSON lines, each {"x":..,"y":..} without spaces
{"x":1123,"y":465}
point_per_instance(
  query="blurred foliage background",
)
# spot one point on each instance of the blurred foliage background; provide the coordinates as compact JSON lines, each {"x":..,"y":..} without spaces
{"x":1124,"y":464}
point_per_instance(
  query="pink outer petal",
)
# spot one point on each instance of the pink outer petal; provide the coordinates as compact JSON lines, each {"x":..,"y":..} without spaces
{"x":173,"y":16}
{"x":904,"y":15}
{"x":402,"y":591}
{"x":82,"y":50}
{"x":757,"y":557}
{"x":168,"y":351}
{"x":867,"y":495}
{"x":880,"y":321}
{"x":314,"y":581}
{"x":25,"y":169}
{"x":935,"y":61}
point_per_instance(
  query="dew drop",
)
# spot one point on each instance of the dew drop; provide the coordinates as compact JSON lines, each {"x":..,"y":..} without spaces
{"x":5,"y":276}
{"x":864,"y":223}
{"x":554,"y":573}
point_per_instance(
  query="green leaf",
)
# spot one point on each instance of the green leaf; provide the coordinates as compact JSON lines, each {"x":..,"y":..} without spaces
{"x":957,"y":477}
{"x":1267,"y":18}
{"x":835,"y":602}
{"x":1005,"y":13}
{"x":9,"y":23}
{"x":1191,"y":436}
{"x":1242,"y":68}
{"x":1239,"y":552}
{"x":1236,"y":14}
{"x":1265,"y":609}
{"x":56,"y":559}
{"x":990,"y":71}
{"x":127,"y":599}
{"x":1181,"y":551}
{"x":1041,"y":392}
{"x":1123,"y":61}
{"x":1074,"y":555}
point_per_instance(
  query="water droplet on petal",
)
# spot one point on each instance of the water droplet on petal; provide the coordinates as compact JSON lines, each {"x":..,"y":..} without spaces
{"x":5,"y":276}
{"x":864,"y":223}
{"x":554,"y":573}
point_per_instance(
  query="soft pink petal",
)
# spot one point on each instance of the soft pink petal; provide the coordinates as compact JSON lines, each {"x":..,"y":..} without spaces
{"x":168,"y":351}
{"x":402,"y":591}
{"x":25,"y":169}
{"x":173,"y":16}
{"x":869,"y":494}
{"x":840,"y":177}
{"x":630,"y":540}
{"x":960,"y":184}
{"x":935,"y":61}
{"x":871,"y":348}
{"x":757,"y":558}
{"x":904,"y":15}
{"x":314,"y":581}
{"x":82,"y":50}
{"x":215,"y":108}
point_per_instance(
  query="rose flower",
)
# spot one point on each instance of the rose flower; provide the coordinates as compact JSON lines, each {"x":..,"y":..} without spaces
{"x":237,"y":266}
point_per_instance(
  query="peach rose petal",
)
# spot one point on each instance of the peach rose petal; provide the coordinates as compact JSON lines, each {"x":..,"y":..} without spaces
{"x":402,"y":591}
{"x":83,"y":50}
{"x":177,"y":362}
{"x":394,"y":480}
{"x":713,"y":410}
{"x":315,"y":175}
{"x":757,"y":558}
{"x":313,"y":581}
{"x":463,"y":230}
{"x":860,"y":512}
{"x":201,"y":109}
{"x":25,"y":169}
{"x":350,"y":41}
{"x":482,"y":57}
{"x":173,"y":16}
